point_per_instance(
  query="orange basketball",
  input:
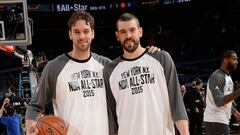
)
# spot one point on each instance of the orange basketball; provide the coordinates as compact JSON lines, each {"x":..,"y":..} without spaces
{"x":51,"y":125}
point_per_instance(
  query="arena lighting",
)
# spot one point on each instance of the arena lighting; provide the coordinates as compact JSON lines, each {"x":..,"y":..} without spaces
{"x":14,"y":23}
{"x":116,"y":5}
{"x":150,"y":2}
{"x":129,"y":4}
{"x":123,"y":5}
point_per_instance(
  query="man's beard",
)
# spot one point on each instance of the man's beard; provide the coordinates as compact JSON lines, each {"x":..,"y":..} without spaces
{"x":83,"y":48}
{"x":230,"y":67}
{"x":130,"y":48}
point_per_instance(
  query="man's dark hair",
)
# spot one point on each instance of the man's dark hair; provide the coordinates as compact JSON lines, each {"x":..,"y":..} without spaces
{"x":198,"y":81}
{"x":81,"y":15}
{"x":227,"y":54}
{"x":127,"y":17}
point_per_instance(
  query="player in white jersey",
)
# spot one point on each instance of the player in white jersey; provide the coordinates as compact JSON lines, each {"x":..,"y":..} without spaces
{"x":220,"y":94}
{"x":143,"y":88}
{"x":74,"y":83}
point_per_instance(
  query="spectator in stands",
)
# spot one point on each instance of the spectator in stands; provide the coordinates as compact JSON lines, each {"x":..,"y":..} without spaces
{"x":193,"y":83}
{"x":9,"y":118}
{"x":19,"y":104}
{"x":195,"y":106}
{"x":183,"y":89}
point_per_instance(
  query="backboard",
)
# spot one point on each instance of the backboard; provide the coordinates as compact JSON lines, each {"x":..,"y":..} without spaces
{"x":14,"y":23}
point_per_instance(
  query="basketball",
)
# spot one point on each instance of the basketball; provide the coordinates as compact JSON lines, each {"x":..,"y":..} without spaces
{"x":51,"y":125}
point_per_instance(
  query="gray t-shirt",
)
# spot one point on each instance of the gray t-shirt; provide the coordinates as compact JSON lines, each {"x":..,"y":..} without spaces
{"x":219,"y":85}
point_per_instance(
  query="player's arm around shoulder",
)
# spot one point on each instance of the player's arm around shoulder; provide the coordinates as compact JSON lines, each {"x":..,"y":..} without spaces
{"x":153,"y":49}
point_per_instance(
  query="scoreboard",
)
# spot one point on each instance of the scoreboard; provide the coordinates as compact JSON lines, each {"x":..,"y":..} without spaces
{"x":61,"y":6}
{"x":66,"y":7}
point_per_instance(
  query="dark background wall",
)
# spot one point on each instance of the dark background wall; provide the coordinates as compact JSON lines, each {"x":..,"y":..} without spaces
{"x":195,"y":33}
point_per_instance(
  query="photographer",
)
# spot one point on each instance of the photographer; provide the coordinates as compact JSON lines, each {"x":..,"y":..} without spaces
{"x":9,"y":118}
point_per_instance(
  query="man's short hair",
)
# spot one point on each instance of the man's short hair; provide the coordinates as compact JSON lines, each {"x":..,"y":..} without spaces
{"x":227,"y":54}
{"x":198,"y":81}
